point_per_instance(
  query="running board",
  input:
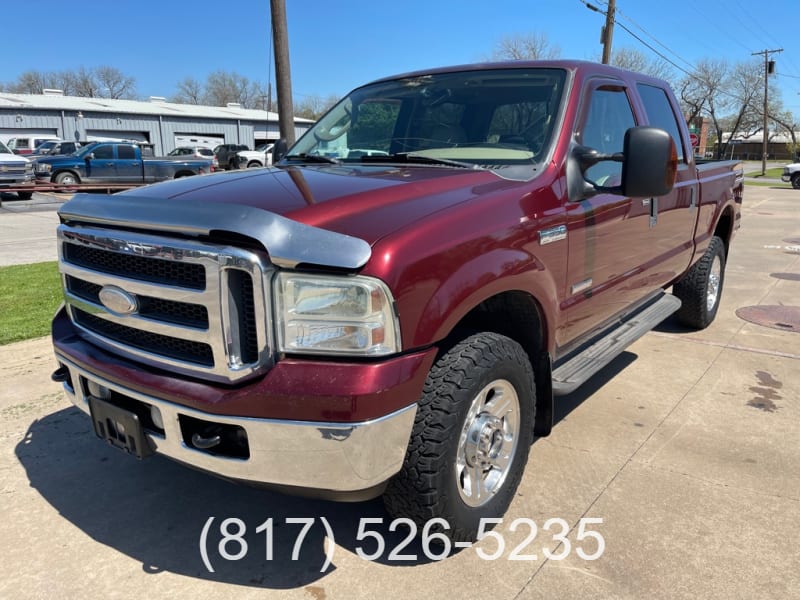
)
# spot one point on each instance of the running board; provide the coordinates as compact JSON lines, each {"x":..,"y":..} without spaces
{"x":569,"y":376}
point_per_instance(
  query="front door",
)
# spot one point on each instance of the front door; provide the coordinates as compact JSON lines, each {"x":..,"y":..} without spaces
{"x":603,"y":231}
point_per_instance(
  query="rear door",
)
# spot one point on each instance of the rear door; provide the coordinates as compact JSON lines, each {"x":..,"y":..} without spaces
{"x":675,"y":214}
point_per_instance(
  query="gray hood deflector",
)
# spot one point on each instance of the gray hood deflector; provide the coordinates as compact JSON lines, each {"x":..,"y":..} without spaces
{"x":288,"y":242}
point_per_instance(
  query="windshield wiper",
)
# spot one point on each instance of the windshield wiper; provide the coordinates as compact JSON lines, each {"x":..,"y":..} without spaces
{"x":411,"y":157}
{"x":318,"y":158}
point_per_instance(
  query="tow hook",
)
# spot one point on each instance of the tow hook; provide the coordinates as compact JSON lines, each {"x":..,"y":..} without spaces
{"x":204,"y":443}
{"x":60,"y":375}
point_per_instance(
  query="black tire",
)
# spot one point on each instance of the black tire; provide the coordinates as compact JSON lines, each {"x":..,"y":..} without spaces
{"x":24,"y":195}
{"x":254,"y":164}
{"x":700,"y":289}
{"x":796,"y":181}
{"x":67,"y":177}
{"x":437,"y":474}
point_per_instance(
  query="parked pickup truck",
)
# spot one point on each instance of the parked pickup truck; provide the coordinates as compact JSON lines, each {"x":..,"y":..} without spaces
{"x":399,"y":321}
{"x":16,"y":172}
{"x":791,"y":174}
{"x":115,"y":162}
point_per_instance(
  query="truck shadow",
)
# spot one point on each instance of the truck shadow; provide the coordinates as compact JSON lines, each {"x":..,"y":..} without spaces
{"x":155,"y":511}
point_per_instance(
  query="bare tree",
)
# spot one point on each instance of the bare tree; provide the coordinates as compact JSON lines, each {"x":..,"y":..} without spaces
{"x":223,"y":87}
{"x":634,"y":60}
{"x":532,"y":46}
{"x":115,"y":84}
{"x":314,"y":106}
{"x":190,"y":91}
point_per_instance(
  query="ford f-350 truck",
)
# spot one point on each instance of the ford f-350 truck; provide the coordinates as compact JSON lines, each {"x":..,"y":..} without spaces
{"x":399,"y":320}
{"x":115,"y":162}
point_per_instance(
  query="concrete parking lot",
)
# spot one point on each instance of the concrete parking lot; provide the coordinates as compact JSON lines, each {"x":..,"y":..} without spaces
{"x":687,"y":447}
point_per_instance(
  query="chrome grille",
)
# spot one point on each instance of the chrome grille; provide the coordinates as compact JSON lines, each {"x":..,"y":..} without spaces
{"x":198,"y":308}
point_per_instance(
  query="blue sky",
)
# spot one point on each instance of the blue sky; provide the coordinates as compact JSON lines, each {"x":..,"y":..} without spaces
{"x":335,"y":46}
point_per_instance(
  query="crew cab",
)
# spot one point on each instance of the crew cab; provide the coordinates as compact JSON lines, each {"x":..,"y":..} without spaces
{"x":115,"y":162}
{"x":16,"y":173}
{"x":395,"y":306}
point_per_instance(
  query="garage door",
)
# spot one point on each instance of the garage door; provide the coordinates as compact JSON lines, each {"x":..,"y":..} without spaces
{"x":197,"y":139}
{"x":106,"y":135}
{"x":7,"y":134}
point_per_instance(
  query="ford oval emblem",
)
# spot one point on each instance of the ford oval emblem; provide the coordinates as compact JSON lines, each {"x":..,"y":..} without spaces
{"x":117,"y":300}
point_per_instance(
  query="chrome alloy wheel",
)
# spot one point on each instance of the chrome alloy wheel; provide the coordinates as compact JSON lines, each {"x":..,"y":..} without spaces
{"x":714,"y":280}
{"x":488,"y":443}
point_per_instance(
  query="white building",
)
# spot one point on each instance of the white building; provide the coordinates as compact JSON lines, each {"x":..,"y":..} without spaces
{"x":161,"y":123}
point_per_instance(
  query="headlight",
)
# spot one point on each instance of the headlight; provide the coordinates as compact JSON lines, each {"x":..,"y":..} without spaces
{"x":29,"y":168}
{"x":323,"y":314}
{"x":43,"y":168}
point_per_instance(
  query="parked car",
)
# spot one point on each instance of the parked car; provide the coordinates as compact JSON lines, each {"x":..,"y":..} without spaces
{"x":196,"y":151}
{"x":791,"y":174}
{"x":401,"y":323}
{"x":26,"y":145}
{"x":56,"y":147}
{"x":116,"y":162}
{"x":15,"y":172}
{"x":226,"y":155}
{"x":260,"y":157}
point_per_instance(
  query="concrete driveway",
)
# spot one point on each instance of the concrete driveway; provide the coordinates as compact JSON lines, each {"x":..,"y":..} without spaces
{"x":687,"y":447}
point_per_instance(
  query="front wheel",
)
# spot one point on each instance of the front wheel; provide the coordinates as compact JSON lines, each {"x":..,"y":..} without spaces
{"x":67,"y":178}
{"x":25,"y":195}
{"x":700,"y":289}
{"x":796,"y":181}
{"x":471,"y":437}
{"x":254,"y":164}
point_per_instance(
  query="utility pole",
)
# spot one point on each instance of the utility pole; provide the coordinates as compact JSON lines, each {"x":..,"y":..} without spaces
{"x":608,"y":31}
{"x":283,"y":77}
{"x":769,"y":66}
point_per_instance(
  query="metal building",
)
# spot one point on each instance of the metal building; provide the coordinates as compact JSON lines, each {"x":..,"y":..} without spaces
{"x":161,"y":123}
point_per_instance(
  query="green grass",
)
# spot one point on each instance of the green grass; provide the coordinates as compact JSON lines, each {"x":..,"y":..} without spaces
{"x":774,"y":173}
{"x":29,"y":297}
{"x":771,"y":184}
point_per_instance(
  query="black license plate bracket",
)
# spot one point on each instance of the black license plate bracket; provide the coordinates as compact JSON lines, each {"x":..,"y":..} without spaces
{"x":120,"y":428}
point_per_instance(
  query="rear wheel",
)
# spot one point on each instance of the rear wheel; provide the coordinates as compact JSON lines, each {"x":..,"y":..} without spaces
{"x":253,"y":164}
{"x":700,"y":289}
{"x":796,"y":181}
{"x":471,"y":437}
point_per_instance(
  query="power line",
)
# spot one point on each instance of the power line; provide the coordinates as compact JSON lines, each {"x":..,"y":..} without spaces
{"x":652,"y":37}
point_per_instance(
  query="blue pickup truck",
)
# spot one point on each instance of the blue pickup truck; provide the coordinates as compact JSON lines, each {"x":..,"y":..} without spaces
{"x":115,"y":162}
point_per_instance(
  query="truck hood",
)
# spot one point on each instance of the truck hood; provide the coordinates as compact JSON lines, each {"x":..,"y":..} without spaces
{"x":12,"y":159}
{"x":365,"y":202}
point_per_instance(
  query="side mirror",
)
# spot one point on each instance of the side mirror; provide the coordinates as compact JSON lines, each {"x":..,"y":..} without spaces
{"x":650,"y":163}
{"x":279,"y":150}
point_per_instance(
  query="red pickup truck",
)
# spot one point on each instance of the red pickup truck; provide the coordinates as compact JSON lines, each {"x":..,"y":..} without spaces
{"x":393,"y":307}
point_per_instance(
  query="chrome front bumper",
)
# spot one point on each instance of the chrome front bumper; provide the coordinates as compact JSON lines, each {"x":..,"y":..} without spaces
{"x":335,"y":457}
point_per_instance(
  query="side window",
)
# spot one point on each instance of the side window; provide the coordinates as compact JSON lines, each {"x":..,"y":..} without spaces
{"x":608,"y":117}
{"x":659,"y":113}
{"x":126,"y":152}
{"x":103,"y":152}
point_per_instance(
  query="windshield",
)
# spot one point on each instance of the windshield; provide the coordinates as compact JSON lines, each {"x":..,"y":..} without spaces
{"x":4,"y":149}
{"x":494,"y":119}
